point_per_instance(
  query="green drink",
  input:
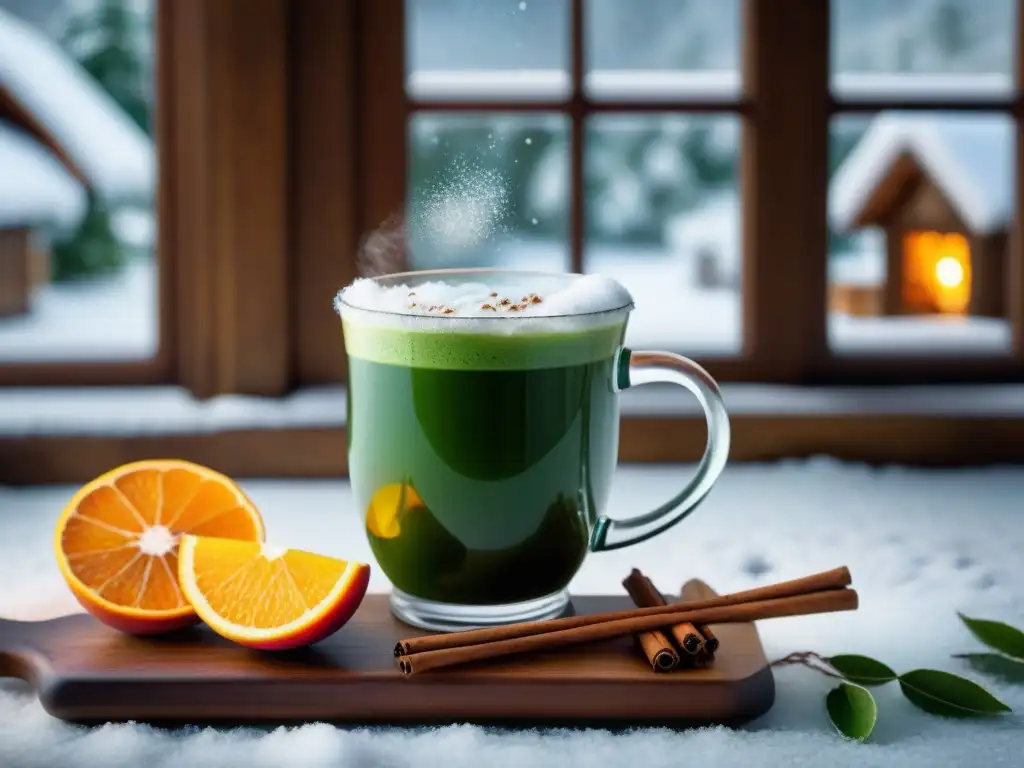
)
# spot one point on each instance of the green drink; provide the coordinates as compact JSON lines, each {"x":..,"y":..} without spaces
{"x":482,"y":442}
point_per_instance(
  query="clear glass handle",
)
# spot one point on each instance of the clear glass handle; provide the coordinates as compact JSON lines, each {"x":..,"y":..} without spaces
{"x":632,"y":369}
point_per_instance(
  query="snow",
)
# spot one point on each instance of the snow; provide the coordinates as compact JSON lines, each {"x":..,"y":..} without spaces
{"x":936,"y":335}
{"x":116,"y":318}
{"x":639,"y":85}
{"x":156,"y":411}
{"x":709,"y":321}
{"x":969,"y":156}
{"x":489,"y":85}
{"x":723,"y":85}
{"x":921,"y":545}
{"x":161,"y":411}
{"x":109,"y":318}
{"x":135,"y":227}
{"x":864,"y":264}
{"x":35,"y":189}
{"x":114,"y":154}
{"x":919,"y":86}
{"x":714,"y":226}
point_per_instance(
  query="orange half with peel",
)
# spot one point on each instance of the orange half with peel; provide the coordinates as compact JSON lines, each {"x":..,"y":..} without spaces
{"x":117,"y":540}
{"x":266,"y":597}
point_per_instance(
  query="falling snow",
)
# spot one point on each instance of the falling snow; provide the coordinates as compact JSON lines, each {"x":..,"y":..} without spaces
{"x":463,"y":206}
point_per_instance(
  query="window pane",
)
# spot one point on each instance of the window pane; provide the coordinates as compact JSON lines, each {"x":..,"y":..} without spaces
{"x":920,"y":205}
{"x":489,"y":49}
{"x":885,"y":47}
{"x":77,"y":232}
{"x":663,"y":219}
{"x":488,"y":190}
{"x":662,"y":48}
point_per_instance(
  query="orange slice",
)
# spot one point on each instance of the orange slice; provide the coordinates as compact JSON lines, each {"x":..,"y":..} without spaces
{"x":387,"y":507}
{"x":269,"y":598}
{"x":117,"y":539}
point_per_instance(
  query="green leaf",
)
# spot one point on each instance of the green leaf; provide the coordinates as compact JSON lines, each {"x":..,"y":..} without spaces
{"x":948,"y":695}
{"x":861,"y":670}
{"x":997,"y":636}
{"x":995,"y":665}
{"x":852,"y":711}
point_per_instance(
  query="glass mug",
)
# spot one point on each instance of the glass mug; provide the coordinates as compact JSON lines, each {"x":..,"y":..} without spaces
{"x":481,"y":449}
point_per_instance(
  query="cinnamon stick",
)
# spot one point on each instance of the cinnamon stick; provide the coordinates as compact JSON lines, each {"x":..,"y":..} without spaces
{"x":658,"y":650}
{"x":654,"y":643}
{"x":710,"y":641}
{"x":695,"y":590}
{"x":836,"y":578}
{"x":825,"y":601}
{"x":645,"y":595}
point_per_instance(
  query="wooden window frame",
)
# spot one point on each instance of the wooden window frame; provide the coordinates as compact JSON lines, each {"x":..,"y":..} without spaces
{"x":281,"y":132}
{"x":786,"y":105}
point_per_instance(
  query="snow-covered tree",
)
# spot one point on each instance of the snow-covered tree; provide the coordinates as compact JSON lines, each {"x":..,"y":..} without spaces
{"x":106,"y":38}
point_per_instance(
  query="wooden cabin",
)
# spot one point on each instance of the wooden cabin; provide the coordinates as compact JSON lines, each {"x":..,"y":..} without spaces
{"x":38,"y":197}
{"x":940,"y":187}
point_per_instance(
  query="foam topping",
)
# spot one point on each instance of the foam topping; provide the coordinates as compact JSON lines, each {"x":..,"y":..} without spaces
{"x":512,"y":296}
{"x":511,"y":321}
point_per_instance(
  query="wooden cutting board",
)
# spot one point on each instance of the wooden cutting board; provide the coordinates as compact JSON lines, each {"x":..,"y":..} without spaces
{"x":85,"y":672}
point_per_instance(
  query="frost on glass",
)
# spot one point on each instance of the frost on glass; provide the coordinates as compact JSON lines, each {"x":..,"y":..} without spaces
{"x":77,"y":267}
{"x":662,"y":218}
{"x":488,"y":190}
{"x":920,"y":207}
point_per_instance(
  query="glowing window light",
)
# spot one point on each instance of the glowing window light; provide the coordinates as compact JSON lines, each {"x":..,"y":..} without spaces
{"x":937,"y":273}
{"x":949,"y":272}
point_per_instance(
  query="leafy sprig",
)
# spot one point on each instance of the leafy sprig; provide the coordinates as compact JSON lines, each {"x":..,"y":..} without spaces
{"x":852,"y":708}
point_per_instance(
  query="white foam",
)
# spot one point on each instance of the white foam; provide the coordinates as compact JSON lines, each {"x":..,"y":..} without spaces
{"x":518,"y":298}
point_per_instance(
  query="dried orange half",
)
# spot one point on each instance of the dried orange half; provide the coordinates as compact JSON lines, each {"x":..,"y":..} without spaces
{"x":117,"y":539}
{"x":266,"y":597}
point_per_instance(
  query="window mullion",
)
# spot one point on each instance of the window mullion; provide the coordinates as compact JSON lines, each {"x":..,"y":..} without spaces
{"x":1015,"y":296}
{"x":229,"y":190}
{"x":383,"y":108}
{"x":784,"y":181}
{"x":577,"y":138}
{"x":323,"y":157}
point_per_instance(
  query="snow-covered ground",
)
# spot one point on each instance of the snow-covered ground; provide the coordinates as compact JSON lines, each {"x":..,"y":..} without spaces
{"x":111,"y":318}
{"x":672,"y":313}
{"x":116,"y":318}
{"x":921,"y":545}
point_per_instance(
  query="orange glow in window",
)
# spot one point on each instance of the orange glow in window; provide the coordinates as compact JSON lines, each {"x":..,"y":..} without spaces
{"x":936,"y":273}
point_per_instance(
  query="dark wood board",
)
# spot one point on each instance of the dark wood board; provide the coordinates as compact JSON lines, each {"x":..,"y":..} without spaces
{"x":85,"y":672}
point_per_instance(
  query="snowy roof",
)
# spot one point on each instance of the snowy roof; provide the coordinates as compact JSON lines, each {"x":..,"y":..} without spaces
{"x":969,"y":157}
{"x":114,"y":154}
{"x":35,"y":189}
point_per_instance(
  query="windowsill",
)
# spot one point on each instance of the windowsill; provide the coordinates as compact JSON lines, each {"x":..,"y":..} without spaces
{"x":625,"y":86}
{"x":171,"y":410}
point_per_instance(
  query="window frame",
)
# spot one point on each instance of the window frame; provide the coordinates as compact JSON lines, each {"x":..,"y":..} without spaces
{"x":158,"y":369}
{"x":312,"y":93}
{"x":335,"y":166}
{"x":786,"y":105}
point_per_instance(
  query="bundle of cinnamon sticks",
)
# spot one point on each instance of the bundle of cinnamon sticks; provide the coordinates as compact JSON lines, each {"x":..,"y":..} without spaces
{"x":819,"y":593}
{"x":684,"y":645}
